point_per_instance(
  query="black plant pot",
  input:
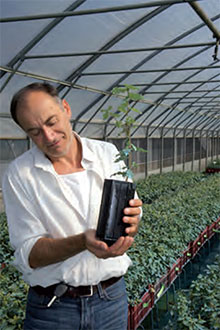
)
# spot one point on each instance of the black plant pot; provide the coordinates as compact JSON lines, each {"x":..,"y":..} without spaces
{"x":115,"y":197}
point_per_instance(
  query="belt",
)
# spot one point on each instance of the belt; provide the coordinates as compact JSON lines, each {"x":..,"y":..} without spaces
{"x":75,"y":292}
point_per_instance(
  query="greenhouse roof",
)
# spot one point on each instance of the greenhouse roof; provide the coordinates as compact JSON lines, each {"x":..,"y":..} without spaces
{"x":169,"y":49}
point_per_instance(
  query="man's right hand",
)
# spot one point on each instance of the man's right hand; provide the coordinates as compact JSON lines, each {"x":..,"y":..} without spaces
{"x":47,"y":250}
{"x":101,"y":250}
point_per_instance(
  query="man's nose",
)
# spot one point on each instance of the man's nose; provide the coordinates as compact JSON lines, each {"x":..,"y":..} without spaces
{"x":48,"y":133}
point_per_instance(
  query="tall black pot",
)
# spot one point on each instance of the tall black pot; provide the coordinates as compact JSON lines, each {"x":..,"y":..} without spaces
{"x":115,"y":197}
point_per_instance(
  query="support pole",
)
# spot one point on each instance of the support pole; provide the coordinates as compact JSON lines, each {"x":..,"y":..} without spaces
{"x":161,"y":151}
{"x":193,"y":150}
{"x":184,"y":150}
{"x":207,"y":146}
{"x":205,"y":19}
{"x":147,"y":153}
{"x":174,"y":150}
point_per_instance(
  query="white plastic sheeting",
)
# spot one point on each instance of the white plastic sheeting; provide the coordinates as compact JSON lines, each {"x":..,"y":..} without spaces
{"x":164,"y":47}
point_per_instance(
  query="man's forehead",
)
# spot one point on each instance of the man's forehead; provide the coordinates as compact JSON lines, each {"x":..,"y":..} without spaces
{"x":39,"y":95}
{"x":38,"y":100}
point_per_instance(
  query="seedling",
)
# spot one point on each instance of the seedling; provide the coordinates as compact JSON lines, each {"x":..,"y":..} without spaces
{"x":125,"y":122}
{"x":117,"y":193}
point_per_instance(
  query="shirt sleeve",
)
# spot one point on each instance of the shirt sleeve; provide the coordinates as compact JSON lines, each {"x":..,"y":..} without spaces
{"x":24,"y":225}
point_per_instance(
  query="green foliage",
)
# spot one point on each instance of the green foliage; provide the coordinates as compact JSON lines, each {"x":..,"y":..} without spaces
{"x":13,"y":290}
{"x":215,"y":164}
{"x":168,"y":224}
{"x":158,"y":185}
{"x":6,"y":251}
{"x":125,"y":121}
{"x":185,"y":205}
{"x":199,"y":306}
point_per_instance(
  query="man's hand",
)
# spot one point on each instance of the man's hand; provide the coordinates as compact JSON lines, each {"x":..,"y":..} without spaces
{"x":132,"y":216}
{"x":102,"y":250}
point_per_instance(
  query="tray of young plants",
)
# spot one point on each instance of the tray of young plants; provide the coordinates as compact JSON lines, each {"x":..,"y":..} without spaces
{"x":199,"y":306}
{"x":158,"y":185}
{"x":169,"y":223}
{"x":213,"y":166}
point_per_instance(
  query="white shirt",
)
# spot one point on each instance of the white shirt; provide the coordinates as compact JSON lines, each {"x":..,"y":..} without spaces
{"x":80,"y":182}
{"x":39,"y":203}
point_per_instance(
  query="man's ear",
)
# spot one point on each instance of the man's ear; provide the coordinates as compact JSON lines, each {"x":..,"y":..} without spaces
{"x":67,"y":108}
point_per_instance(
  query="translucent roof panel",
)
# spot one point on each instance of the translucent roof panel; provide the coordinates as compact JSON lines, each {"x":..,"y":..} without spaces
{"x":169,"y":49}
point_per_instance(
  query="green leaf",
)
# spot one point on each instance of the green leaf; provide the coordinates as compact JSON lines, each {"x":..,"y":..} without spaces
{"x":135,"y":96}
{"x":129,"y":174}
{"x":145,"y":305}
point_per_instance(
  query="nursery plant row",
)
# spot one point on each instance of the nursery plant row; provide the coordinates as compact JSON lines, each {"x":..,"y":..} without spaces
{"x":168,"y":225}
{"x":173,"y":229}
{"x":155,"y":291}
{"x":186,"y":206}
{"x":170,"y":183}
{"x":213,"y":166}
{"x":198,"y":307}
{"x":13,"y":290}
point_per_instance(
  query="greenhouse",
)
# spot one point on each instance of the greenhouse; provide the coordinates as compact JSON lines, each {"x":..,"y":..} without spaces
{"x":156,"y":63}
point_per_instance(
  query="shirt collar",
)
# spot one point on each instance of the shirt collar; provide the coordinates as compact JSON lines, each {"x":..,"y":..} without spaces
{"x":87,"y":154}
{"x":41,"y":161}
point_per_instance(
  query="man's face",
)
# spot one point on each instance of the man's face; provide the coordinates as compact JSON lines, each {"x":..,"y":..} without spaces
{"x":47,"y":123}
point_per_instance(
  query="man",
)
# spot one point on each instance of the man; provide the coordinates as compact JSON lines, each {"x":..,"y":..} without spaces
{"x":52,"y":195}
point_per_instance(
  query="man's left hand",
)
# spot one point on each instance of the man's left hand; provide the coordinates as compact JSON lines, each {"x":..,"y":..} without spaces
{"x":132,"y":216}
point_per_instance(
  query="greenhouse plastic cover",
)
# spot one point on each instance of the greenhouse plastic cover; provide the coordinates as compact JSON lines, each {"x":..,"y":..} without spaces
{"x":168,"y":49}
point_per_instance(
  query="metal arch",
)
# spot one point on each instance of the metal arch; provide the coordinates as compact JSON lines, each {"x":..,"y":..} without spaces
{"x":210,"y":127}
{"x":167,"y":93}
{"x":105,"y":73}
{"x":194,"y":114}
{"x":180,"y":63}
{"x":207,"y":106}
{"x":11,"y":75}
{"x":177,"y":115}
{"x":192,"y":118}
{"x":162,"y":97}
{"x":148,"y":57}
{"x":113,"y":41}
{"x":118,"y":51}
{"x":152,"y":111}
{"x":183,"y":35}
{"x":205,"y":125}
{"x":199,"y":11}
{"x":186,"y":91}
{"x":201,"y":107}
{"x":40,"y":35}
{"x":108,"y":45}
{"x":90,"y":119}
{"x":182,"y":82}
{"x":214,"y":124}
{"x":198,"y":121}
{"x":56,"y":81}
{"x":198,"y":98}
{"x":94,"y":11}
{"x":159,"y":124}
{"x":193,"y":97}
{"x":205,"y":19}
{"x":174,"y":83}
